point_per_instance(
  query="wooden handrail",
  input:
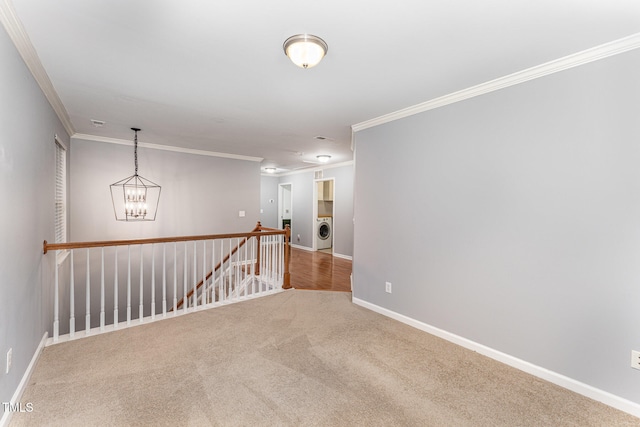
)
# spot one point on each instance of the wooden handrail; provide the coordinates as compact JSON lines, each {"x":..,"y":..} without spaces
{"x":83,"y":245}
{"x":257,"y":232}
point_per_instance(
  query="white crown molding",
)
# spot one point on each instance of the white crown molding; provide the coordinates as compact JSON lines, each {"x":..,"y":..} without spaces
{"x":94,"y":138}
{"x":311,"y":169}
{"x":590,"y":55}
{"x":21,"y":40}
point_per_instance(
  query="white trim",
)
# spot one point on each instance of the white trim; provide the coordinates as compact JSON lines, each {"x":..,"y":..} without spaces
{"x":590,"y":55}
{"x":311,"y":169}
{"x":61,"y":142}
{"x":281,"y":186}
{"x":6,"y":417}
{"x":21,"y":40}
{"x":118,"y":141}
{"x":540,"y":372}
{"x":304,"y":248}
{"x":314,"y":212}
{"x":308,"y":249}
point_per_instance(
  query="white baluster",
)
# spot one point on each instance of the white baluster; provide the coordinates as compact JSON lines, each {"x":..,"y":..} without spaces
{"x":87,"y":318}
{"x":281,"y":260}
{"x":102,"y":290}
{"x":267,"y":263}
{"x":221,"y":283}
{"x":175,"y":278}
{"x":115,"y":291}
{"x":213,"y":271}
{"x":195,"y":275}
{"x":153,"y":281}
{"x":164,"y":280}
{"x":230,"y":288}
{"x":129,"y":287}
{"x":72,"y":299}
{"x":141,"y":305}
{"x":265,"y":273}
{"x":278,"y":249}
{"x":245,"y":275}
{"x":238,"y":267}
{"x":185,"y":268}
{"x":204,"y":272}
{"x":254,"y":241}
{"x":56,"y":302}
{"x":274,"y":245}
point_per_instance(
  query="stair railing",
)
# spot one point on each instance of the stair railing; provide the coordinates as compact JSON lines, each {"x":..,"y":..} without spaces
{"x":203,"y":271}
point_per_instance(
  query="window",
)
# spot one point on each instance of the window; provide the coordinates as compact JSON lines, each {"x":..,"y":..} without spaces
{"x":61,"y":193}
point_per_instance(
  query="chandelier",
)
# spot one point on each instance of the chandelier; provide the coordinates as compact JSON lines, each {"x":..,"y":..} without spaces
{"x":135,"y":198}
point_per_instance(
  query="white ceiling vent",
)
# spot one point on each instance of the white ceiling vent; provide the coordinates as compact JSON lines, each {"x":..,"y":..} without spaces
{"x":97,"y":123}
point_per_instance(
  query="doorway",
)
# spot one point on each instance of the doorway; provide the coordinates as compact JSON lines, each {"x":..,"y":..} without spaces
{"x":285,"y":211}
{"x":323,"y":214}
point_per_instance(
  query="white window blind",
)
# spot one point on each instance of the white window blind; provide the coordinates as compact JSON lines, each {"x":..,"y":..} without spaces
{"x":61,"y":194}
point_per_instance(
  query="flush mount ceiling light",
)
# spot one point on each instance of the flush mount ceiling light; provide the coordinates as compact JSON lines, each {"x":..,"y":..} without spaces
{"x":270,"y":170}
{"x":305,"y":50}
{"x":135,"y":198}
{"x":323,"y":158}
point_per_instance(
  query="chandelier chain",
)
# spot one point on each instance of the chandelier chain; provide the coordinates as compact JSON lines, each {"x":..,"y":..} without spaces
{"x":135,"y":151}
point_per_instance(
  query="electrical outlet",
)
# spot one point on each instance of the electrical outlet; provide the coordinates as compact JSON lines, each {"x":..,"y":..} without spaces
{"x":387,"y":287}
{"x":635,"y":359}
{"x":9,"y":357}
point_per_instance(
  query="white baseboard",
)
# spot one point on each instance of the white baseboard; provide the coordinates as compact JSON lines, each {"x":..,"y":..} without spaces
{"x":308,"y":249}
{"x":304,"y":248}
{"x":602,"y":396}
{"x":6,"y":416}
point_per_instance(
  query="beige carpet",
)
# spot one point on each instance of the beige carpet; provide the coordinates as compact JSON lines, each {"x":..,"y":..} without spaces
{"x":298,"y":358}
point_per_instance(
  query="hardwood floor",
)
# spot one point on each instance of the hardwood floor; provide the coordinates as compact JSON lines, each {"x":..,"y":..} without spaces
{"x":319,"y":271}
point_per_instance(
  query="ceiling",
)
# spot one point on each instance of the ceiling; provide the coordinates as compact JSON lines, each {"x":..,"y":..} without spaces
{"x":212,"y":75}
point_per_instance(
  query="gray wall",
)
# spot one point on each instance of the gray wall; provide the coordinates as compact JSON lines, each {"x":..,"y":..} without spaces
{"x":302,"y":207}
{"x":513,"y":220}
{"x":28,"y":125}
{"x":343,"y":208}
{"x":200,"y":194}
{"x":268,"y":192}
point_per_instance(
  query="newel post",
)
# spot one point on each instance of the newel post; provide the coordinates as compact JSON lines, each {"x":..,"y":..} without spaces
{"x":257,"y":267}
{"x":286,"y":283}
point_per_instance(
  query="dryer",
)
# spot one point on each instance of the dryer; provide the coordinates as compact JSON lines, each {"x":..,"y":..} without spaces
{"x":324,"y":233}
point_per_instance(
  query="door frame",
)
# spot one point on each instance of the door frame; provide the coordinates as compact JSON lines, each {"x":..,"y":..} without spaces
{"x":281,"y":186}
{"x":314,"y":213}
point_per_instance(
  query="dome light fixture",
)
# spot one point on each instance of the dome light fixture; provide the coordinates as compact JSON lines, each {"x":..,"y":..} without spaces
{"x":270,"y":170}
{"x":323,"y":158}
{"x":305,"y":50}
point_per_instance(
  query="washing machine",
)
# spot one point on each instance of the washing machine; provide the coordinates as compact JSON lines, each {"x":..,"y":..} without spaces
{"x":324,"y":232}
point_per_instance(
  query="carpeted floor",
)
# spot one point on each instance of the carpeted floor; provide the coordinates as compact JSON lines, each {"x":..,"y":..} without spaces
{"x":298,"y":358}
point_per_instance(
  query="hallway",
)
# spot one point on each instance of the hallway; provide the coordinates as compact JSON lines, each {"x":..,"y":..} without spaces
{"x":319,"y":271}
